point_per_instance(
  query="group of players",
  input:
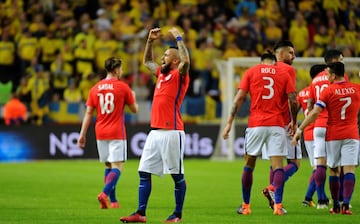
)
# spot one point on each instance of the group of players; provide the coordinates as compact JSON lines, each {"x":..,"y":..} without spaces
{"x":332,"y":107}
{"x":330,"y":128}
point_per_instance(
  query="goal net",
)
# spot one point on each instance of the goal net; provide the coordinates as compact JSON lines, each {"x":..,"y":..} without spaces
{"x":231,"y":71}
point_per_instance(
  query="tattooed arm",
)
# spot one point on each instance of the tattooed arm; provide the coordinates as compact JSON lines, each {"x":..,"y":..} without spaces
{"x":184,"y":64}
{"x":238,"y":101}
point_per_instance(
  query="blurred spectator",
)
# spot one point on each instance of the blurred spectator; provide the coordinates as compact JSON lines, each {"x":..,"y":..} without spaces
{"x":15,"y":112}
{"x":72,"y":93}
{"x":28,"y":49}
{"x":245,"y":41}
{"x":22,"y":92}
{"x":61,"y":72}
{"x":299,"y":34}
{"x":7,"y":55}
{"x":245,"y":6}
{"x":104,"y":47}
{"x":83,"y":58}
{"x":88,"y":80}
{"x":102,"y":22}
{"x":272,"y":32}
{"x":48,"y":46}
{"x":39,"y":87}
{"x":86,"y":34}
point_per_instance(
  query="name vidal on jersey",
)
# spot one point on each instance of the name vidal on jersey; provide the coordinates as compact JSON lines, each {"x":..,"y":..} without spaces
{"x":344,"y":91}
{"x":320,"y":78}
{"x":105,"y":86}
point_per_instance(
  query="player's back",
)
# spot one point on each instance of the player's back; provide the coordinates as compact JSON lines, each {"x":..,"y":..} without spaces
{"x":318,"y":84}
{"x":342,"y":100}
{"x":268,"y":86}
{"x":109,"y":97}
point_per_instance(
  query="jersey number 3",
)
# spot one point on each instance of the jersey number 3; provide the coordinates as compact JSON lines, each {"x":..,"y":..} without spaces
{"x":269,"y":87}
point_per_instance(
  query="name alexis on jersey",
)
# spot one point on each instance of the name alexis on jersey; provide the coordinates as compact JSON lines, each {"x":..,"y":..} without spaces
{"x":344,"y":91}
{"x":105,"y":86}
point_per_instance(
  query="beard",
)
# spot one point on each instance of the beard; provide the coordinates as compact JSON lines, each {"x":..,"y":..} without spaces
{"x":165,"y":69}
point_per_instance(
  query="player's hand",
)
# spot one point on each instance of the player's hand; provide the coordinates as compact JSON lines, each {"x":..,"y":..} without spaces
{"x":295,"y":138}
{"x":175,"y":32}
{"x":81,"y":142}
{"x":154,"y":34}
{"x":226,"y":131}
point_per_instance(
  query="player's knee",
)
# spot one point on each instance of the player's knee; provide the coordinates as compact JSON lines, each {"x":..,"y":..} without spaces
{"x":144,"y":175}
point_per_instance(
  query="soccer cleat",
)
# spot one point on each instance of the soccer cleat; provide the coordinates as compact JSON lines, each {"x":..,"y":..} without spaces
{"x":278,"y":209}
{"x":269,"y":193}
{"x":135,"y":217}
{"x":102,"y":198}
{"x":322,"y":206}
{"x":345,"y":209}
{"x":244,"y":209}
{"x":306,"y":203}
{"x":173,"y":218}
{"x":114,"y":204}
{"x":334,"y":210}
{"x":346,"y":212}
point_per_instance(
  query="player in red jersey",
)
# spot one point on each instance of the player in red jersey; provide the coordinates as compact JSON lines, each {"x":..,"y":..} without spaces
{"x":342,"y":100}
{"x":308,"y":137}
{"x":270,"y":87}
{"x":285,"y":55}
{"x":163,"y":151}
{"x":319,"y":83}
{"x":109,"y":97}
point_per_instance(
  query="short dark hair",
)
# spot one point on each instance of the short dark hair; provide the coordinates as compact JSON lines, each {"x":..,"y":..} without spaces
{"x":268,"y":55}
{"x":112,"y":63}
{"x":316,"y":69}
{"x":331,"y":54}
{"x":283,"y":43}
{"x":338,"y":68}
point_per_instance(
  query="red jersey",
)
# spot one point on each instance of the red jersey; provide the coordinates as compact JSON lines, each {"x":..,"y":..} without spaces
{"x":318,"y":84}
{"x":342,"y":99}
{"x":291,"y":71}
{"x":268,"y":86}
{"x":109,"y":97}
{"x":169,"y":94}
{"x":302,"y":98}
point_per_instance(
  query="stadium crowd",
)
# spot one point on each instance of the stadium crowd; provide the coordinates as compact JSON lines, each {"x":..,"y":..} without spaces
{"x":54,"y":50}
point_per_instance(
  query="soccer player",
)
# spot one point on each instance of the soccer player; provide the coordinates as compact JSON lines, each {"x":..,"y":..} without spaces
{"x":342,"y":100}
{"x":270,"y":87}
{"x":164,"y":147}
{"x":285,"y":55}
{"x":319,"y":83}
{"x":109,"y":97}
{"x":308,"y":135}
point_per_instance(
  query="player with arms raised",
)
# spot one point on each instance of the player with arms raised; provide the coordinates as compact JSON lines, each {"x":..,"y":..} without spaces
{"x":164,"y":147}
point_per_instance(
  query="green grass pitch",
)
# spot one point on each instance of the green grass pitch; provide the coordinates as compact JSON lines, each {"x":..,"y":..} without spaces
{"x":62,"y":192}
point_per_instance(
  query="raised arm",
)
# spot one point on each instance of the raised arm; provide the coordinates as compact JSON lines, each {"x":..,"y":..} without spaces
{"x":148,"y":60}
{"x":184,"y":64}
